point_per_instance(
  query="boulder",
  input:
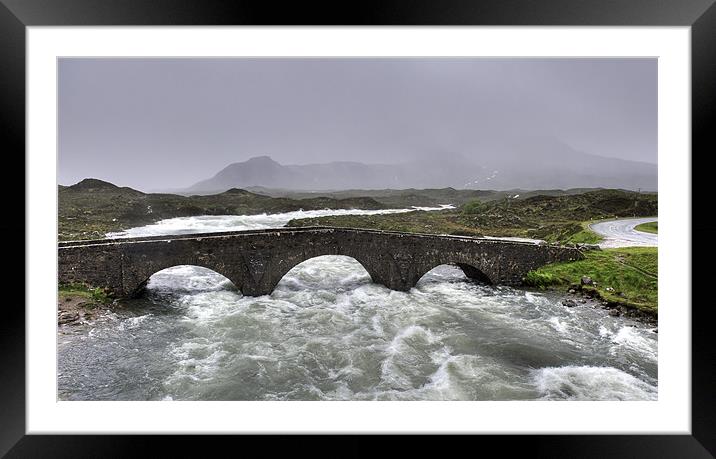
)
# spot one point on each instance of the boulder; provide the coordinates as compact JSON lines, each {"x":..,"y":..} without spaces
{"x":67,"y":317}
{"x":589,"y":247}
{"x":586,"y":280}
{"x":569,"y":303}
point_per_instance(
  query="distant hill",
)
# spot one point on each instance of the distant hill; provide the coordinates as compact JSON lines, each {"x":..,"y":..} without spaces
{"x":92,"y":207}
{"x":539,"y":164}
{"x":423,"y":197}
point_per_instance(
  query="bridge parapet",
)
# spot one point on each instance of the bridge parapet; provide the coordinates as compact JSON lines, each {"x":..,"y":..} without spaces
{"x":255,"y":261}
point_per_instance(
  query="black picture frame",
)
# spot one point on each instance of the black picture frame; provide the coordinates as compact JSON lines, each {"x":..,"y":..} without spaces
{"x":700,"y":15}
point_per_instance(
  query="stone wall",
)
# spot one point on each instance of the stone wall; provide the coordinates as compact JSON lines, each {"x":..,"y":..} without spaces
{"x":255,"y":261}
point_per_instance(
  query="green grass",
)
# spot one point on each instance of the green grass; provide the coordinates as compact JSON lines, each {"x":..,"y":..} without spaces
{"x":541,"y":279}
{"x":631,"y":273}
{"x":585,"y":235}
{"x":649,"y":227}
{"x":96,"y":295}
{"x":473,"y":207}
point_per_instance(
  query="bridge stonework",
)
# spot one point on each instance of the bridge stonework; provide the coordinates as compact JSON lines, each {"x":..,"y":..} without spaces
{"x":255,"y":261}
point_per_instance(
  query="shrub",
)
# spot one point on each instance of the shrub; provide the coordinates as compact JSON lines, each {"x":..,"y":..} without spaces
{"x":473,"y":207}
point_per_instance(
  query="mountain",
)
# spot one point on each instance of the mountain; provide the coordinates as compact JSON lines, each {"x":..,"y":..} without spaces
{"x":265,"y":172}
{"x":537,"y":163}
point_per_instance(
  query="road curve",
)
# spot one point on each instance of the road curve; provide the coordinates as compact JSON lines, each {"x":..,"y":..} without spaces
{"x":621,"y":233}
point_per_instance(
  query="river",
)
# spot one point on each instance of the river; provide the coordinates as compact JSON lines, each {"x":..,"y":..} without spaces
{"x":328,"y":333}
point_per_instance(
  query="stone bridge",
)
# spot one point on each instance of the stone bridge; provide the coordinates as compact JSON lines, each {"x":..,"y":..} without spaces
{"x":255,"y":261}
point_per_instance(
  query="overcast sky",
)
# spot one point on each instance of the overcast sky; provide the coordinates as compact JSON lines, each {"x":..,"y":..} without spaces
{"x":167,"y":123}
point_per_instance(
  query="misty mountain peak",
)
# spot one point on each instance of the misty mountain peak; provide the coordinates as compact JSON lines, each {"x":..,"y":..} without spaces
{"x":252,"y":165}
{"x":263,"y":159}
{"x":531,"y":163}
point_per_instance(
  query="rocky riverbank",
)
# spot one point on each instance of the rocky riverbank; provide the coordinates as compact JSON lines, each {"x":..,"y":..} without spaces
{"x":76,"y":310}
{"x":78,"y":304}
{"x":587,"y":293}
{"x":623,"y":280}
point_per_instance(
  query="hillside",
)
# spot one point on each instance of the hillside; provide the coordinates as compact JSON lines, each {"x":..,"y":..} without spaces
{"x":92,"y":207}
{"x":553,"y":218}
{"x":423,"y":197}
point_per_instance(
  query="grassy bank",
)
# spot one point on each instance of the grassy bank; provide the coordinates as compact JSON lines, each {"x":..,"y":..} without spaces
{"x":81,"y":291}
{"x":650,"y":227}
{"x":78,"y":303}
{"x":625,"y":276}
{"x":585,"y":235}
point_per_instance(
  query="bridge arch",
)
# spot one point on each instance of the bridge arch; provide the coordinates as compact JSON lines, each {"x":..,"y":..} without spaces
{"x":470,"y":270}
{"x":136,"y":284}
{"x":188,"y":278}
{"x":474,"y":273}
{"x":345,"y":270}
{"x":280,"y":266}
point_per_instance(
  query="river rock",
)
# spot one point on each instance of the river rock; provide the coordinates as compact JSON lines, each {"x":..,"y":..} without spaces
{"x":67,"y":317}
{"x":614,"y":312}
{"x":586,"y":280}
{"x":569,"y":303}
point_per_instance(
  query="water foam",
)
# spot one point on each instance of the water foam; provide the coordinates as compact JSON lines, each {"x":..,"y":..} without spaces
{"x":590,"y":383}
{"x":214,"y":223}
{"x":638,"y":340}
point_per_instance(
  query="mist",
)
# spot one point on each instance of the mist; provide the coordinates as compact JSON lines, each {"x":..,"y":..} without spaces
{"x":168,"y":123}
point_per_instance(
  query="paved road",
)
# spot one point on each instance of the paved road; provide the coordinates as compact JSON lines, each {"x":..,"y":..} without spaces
{"x":621,"y":233}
